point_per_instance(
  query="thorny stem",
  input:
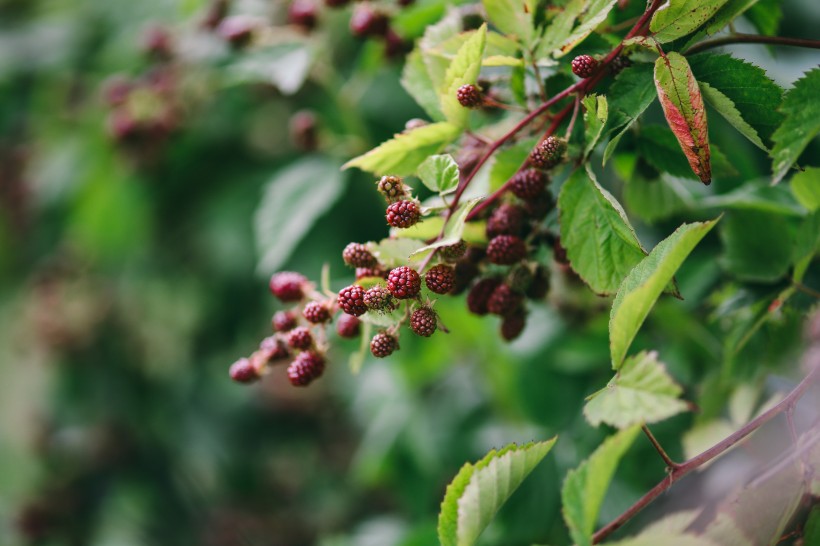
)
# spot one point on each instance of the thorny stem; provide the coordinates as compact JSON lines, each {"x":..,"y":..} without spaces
{"x":718,"y":449}
{"x":666,"y":458}
{"x":753,"y":39}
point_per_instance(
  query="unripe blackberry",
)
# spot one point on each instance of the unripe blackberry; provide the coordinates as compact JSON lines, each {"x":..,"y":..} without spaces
{"x":383,"y":344}
{"x":619,"y":63}
{"x":351,"y":300}
{"x":392,"y":188}
{"x":470,"y":96}
{"x":584,"y":66}
{"x":440,"y":279}
{"x":506,"y":219}
{"x":512,"y":325}
{"x":243,"y":372}
{"x":504,"y":300}
{"x":403,"y":214}
{"x":538,"y":207}
{"x":528,"y":184}
{"x":404,"y":282}
{"x":300,"y":338}
{"x":378,"y":298}
{"x":302,"y":13}
{"x":273,"y":348}
{"x":237,"y":30}
{"x":366,"y":21}
{"x":316,"y":313}
{"x":454,"y":252}
{"x":283,"y":321}
{"x":362,"y":272}
{"x":540,"y":284}
{"x":480,"y":294}
{"x":348,"y":326}
{"x":506,"y":250}
{"x":548,"y":153}
{"x":423,"y":321}
{"x":288,"y":286}
{"x":357,"y":255}
{"x":306,"y":367}
{"x":465,"y":272}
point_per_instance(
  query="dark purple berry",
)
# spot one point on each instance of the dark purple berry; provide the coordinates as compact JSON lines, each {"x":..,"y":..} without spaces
{"x":378,"y":298}
{"x":506,"y":250}
{"x":506,"y":219}
{"x":403,"y":214}
{"x":549,"y":152}
{"x":392,"y":188}
{"x":504,"y":300}
{"x":404,"y":282}
{"x":357,"y":255}
{"x":348,"y":326}
{"x":394,"y":45}
{"x":440,"y":279}
{"x":300,"y":338}
{"x":367,"y":21}
{"x":538,"y":207}
{"x":528,"y":184}
{"x":283,"y":321}
{"x":584,"y":66}
{"x":559,"y":253}
{"x":302,"y":13}
{"x":351,"y":300}
{"x":512,"y":325}
{"x":480,"y":294}
{"x":243,"y":372}
{"x":465,"y":272}
{"x":306,"y":367}
{"x":470,"y":96}
{"x":316,"y":313}
{"x":540,"y":284}
{"x":383,"y":344}
{"x":288,"y":286}
{"x":423,"y":321}
{"x":454,"y":252}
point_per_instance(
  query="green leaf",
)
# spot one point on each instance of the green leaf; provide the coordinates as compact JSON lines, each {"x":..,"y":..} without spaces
{"x":560,"y":28}
{"x":417,"y":82}
{"x":478,"y":491}
{"x":601,"y":244}
{"x":765,"y":16}
{"x":758,"y":245}
{"x":596,"y":113}
{"x":285,"y":66}
{"x":629,"y":96}
{"x":293,"y":200}
{"x":439,"y":173}
{"x":801,"y":107}
{"x":454,"y":228}
{"x":726,"y":108}
{"x":511,"y":17}
{"x":646,"y":281}
{"x":593,"y":14}
{"x":806,"y":188}
{"x":728,"y":13}
{"x":659,"y":147}
{"x":653,"y":200}
{"x":678,"y":18}
{"x":393,"y":252}
{"x":641,"y":392}
{"x":463,"y":70}
{"x":683,"y":107}
{"x":753,"y":196}
{"x":402,"y":154}
{"x":585,"y":487}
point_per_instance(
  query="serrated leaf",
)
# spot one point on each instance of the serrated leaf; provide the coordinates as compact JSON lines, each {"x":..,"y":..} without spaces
{"x":454,"y":228}
{"x":641,"y":392}
{"x":601,"y":244}
{"x":596,"y":112}
{"x":417,"y":82}
{"x":585,"y":487}
{"x":726,"y":108}
{"x":463,"y":70}
{"x":439,"y":173}
{"x":631,"y":94}
{"x":639,"y":290}
{"x":502,"y":60}
{"x":593,"y":14}
{"x":801,"y":107}
{"x":292,"y":201}
{"x":478,"y":491}
{"x":678,"y":18}
{"x":683,"y":107}
{"x":511,"y":17}
{"x":402,"y":154}
{"x":806,"y":188}
{"x":753,"y":196}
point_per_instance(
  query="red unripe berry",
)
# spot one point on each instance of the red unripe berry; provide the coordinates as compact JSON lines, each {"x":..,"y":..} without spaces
{"x":306,"y":367}
{"x":404,"y":282}
{"x":348,"y":326}
{"x":273,"y":348}
{"x":584,"y":66}
{"x":351,"y":300}
{"x":302,"y":13}
{"x":156,"y":41}
{"x":403,"y":214}
{"x":506,"y":219}
{"x":283,"y":321}
{"x":480,"y":294}
{"x":357,"y":255}
{"x":528,"y":184}
{"x":506,"y":250}
{"x":548,"y":153}
{"x":423,"y":321}
{"x":288,"y":286}
{"x":392,"y":188}
{"x":243,"y":372}
{"x":300,"y":338}
{"x":383,"y":344}
{"x":367,"y":21}
{"x":512,"y":325}
{"x":504,"y":300}
{"x":316,"y":312}
{"x":470,"y":96}
{"x":440,"y":279}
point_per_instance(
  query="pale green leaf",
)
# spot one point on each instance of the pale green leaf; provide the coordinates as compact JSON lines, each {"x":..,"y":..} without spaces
{"x":596,"y":113}
{"x":593,"y":14}
{"x":502,"y":60}
{"x":463,"y":70}
{"x":585,"y":487}
{"x":454,"y":228}
{"x":678,"y":18}
{"x":641,"y":392}
{"x":510,"y":17}
{"x":417,"y":82}
{"x":402,"y":154}
{"x":439,"y":173}
{"x":639,"y":290}
{"x":729,"y":111}
{"x":393,"y":252}
{"x":802,"y":123}
{"x":806,"y":188}
{"x":478,"y":491}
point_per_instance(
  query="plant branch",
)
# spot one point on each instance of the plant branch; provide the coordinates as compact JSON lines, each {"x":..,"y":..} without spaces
{"x":753,"y":39}
{"x":666,"y":458}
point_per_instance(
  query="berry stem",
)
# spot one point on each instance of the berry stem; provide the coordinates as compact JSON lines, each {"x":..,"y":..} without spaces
{"x":753,"y":39}
{"x":662,"y":452}
{"x":575,"y":109}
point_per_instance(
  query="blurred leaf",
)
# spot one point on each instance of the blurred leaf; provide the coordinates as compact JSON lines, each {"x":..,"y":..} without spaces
{"x":758,"y":245}
{"x":395,"y":252}
{"x":585,"y":487}
{"x":641,"y":392}
{"x":765,"y":15}
{"x":507,"y":162}
{"x":463,"y":70}
{"x":439,"y":173}
{"x":725,"y":15}
{"x":511,"y":17}
{"x":560,"y":28}
{"x":595,"y":116}
{"x":801,"y":107}
{"x":417,"y":82}
{"x":285,"y":66}
{"x":292,"y":201}
{"x":594,"y":13}
{"x":754,"y":197}
{"x":630,"y":95}
{"x":678,"y":18}
{"x":806,"y":188}
{"x":478,"y":491}
{"x":653,"y":200}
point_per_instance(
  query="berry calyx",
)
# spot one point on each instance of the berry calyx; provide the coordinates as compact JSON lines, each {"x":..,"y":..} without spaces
{"x":283,"y":321}
{"x":403,"y":214}
{"x":528,"y":184}
{"x":305,"y":368}
{"x":366,"y":21}
{"x":512,"y":325}
{"x":357,"y":255}
{"x":383,"y":345}
{"x":242,"y":371}
{"x":316,"y":313}
{"x":440,"y":279}
{"x":506,"y":219}
{"x":300,"y":338}
{"x":504,"y":300}
{"x":470,"y":96}
{"x":404,"y":282}
{"x":392,"y":188}
{"x":348,"y":326}
{"x":584,"y":66}
{"x":549,"y":152}
{"x":378,"y":298}
{"x":351,"y":300}
{"x":454,"y":252}
{"x":423,"y":321}
{"x":480,"y":294}
{"x":288,"y":286}
{"x":506,"y":250}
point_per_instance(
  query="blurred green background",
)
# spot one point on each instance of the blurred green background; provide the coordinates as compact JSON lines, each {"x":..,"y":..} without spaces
{"x":132,"y":278}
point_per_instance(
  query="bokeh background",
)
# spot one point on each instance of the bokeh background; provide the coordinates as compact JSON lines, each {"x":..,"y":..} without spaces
{"x":139,"y":221}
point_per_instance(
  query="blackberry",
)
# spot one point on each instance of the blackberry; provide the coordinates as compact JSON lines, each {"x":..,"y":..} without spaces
{"x":506,"y":250}
{"x":363,"y":272}
{"x":366,"y":21}
{"x":351,"y":300}
{"x":540,"y":284}
{"x":383,"y":344}
{"x":584,"y":66}
{"x":440,"y":279}
{"x":475,"y":254}
{"x":288,"y":286}
{"x":283,"y":321}
{"x":273,"y":348}
{"x":538,"y":207}
{"x":548,"y":153}
{"x":306,"y":367}
{"x":512,"y":325}
{"x":378,"y":298}
{"x":300,"y":338}
{"x":404,"y":282}
{"x":506,"y":219}
{"x":243,"y":372}
{"x":392,"y":188}
{"x":465,"y":272}
{"x":453,"y":252}
{"x":316,"y":312}
{"x":348,"y":326}
{"x":403,"y":214}
{"x":302,"y":13}
{"x":357,"y":255}
{"x":470,"y":96}
{"x":504,"y":300}
{"x":480,"y":293}
{"x":528,"y":184}
{"x":423,"y":321}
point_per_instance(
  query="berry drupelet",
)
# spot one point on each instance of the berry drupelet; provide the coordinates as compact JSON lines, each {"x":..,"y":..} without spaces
{"x":351,"y":300}
{"x":288,"y":286}
{"x":242,"y":371}
{"x":528,"y":184}
{"x":404,"y":282}
{"x":403,"y":214}
{"x":506,"y":250}
{"x":273,"y":348}
{"x":584,"y":66}
{"x":348,"y":326}
{"x":357,"y":255}
{"x":306,"y":367}
{"x":300,"y":338}
{"x":453,"y":252}
{"x":480,"y":294}
{"x":506,"y":219}
{"x":316,"y":313}
{"x":283,"y":321}
{"x":504,"y":300}
{"x":423,"y":321}
{"x":470,"y":96}
{"x":440,"y":279}
{"x":383,"y":345}
{"x":548,"y":153}
{"x":392,"y":188}
{"x":378,"y":298}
